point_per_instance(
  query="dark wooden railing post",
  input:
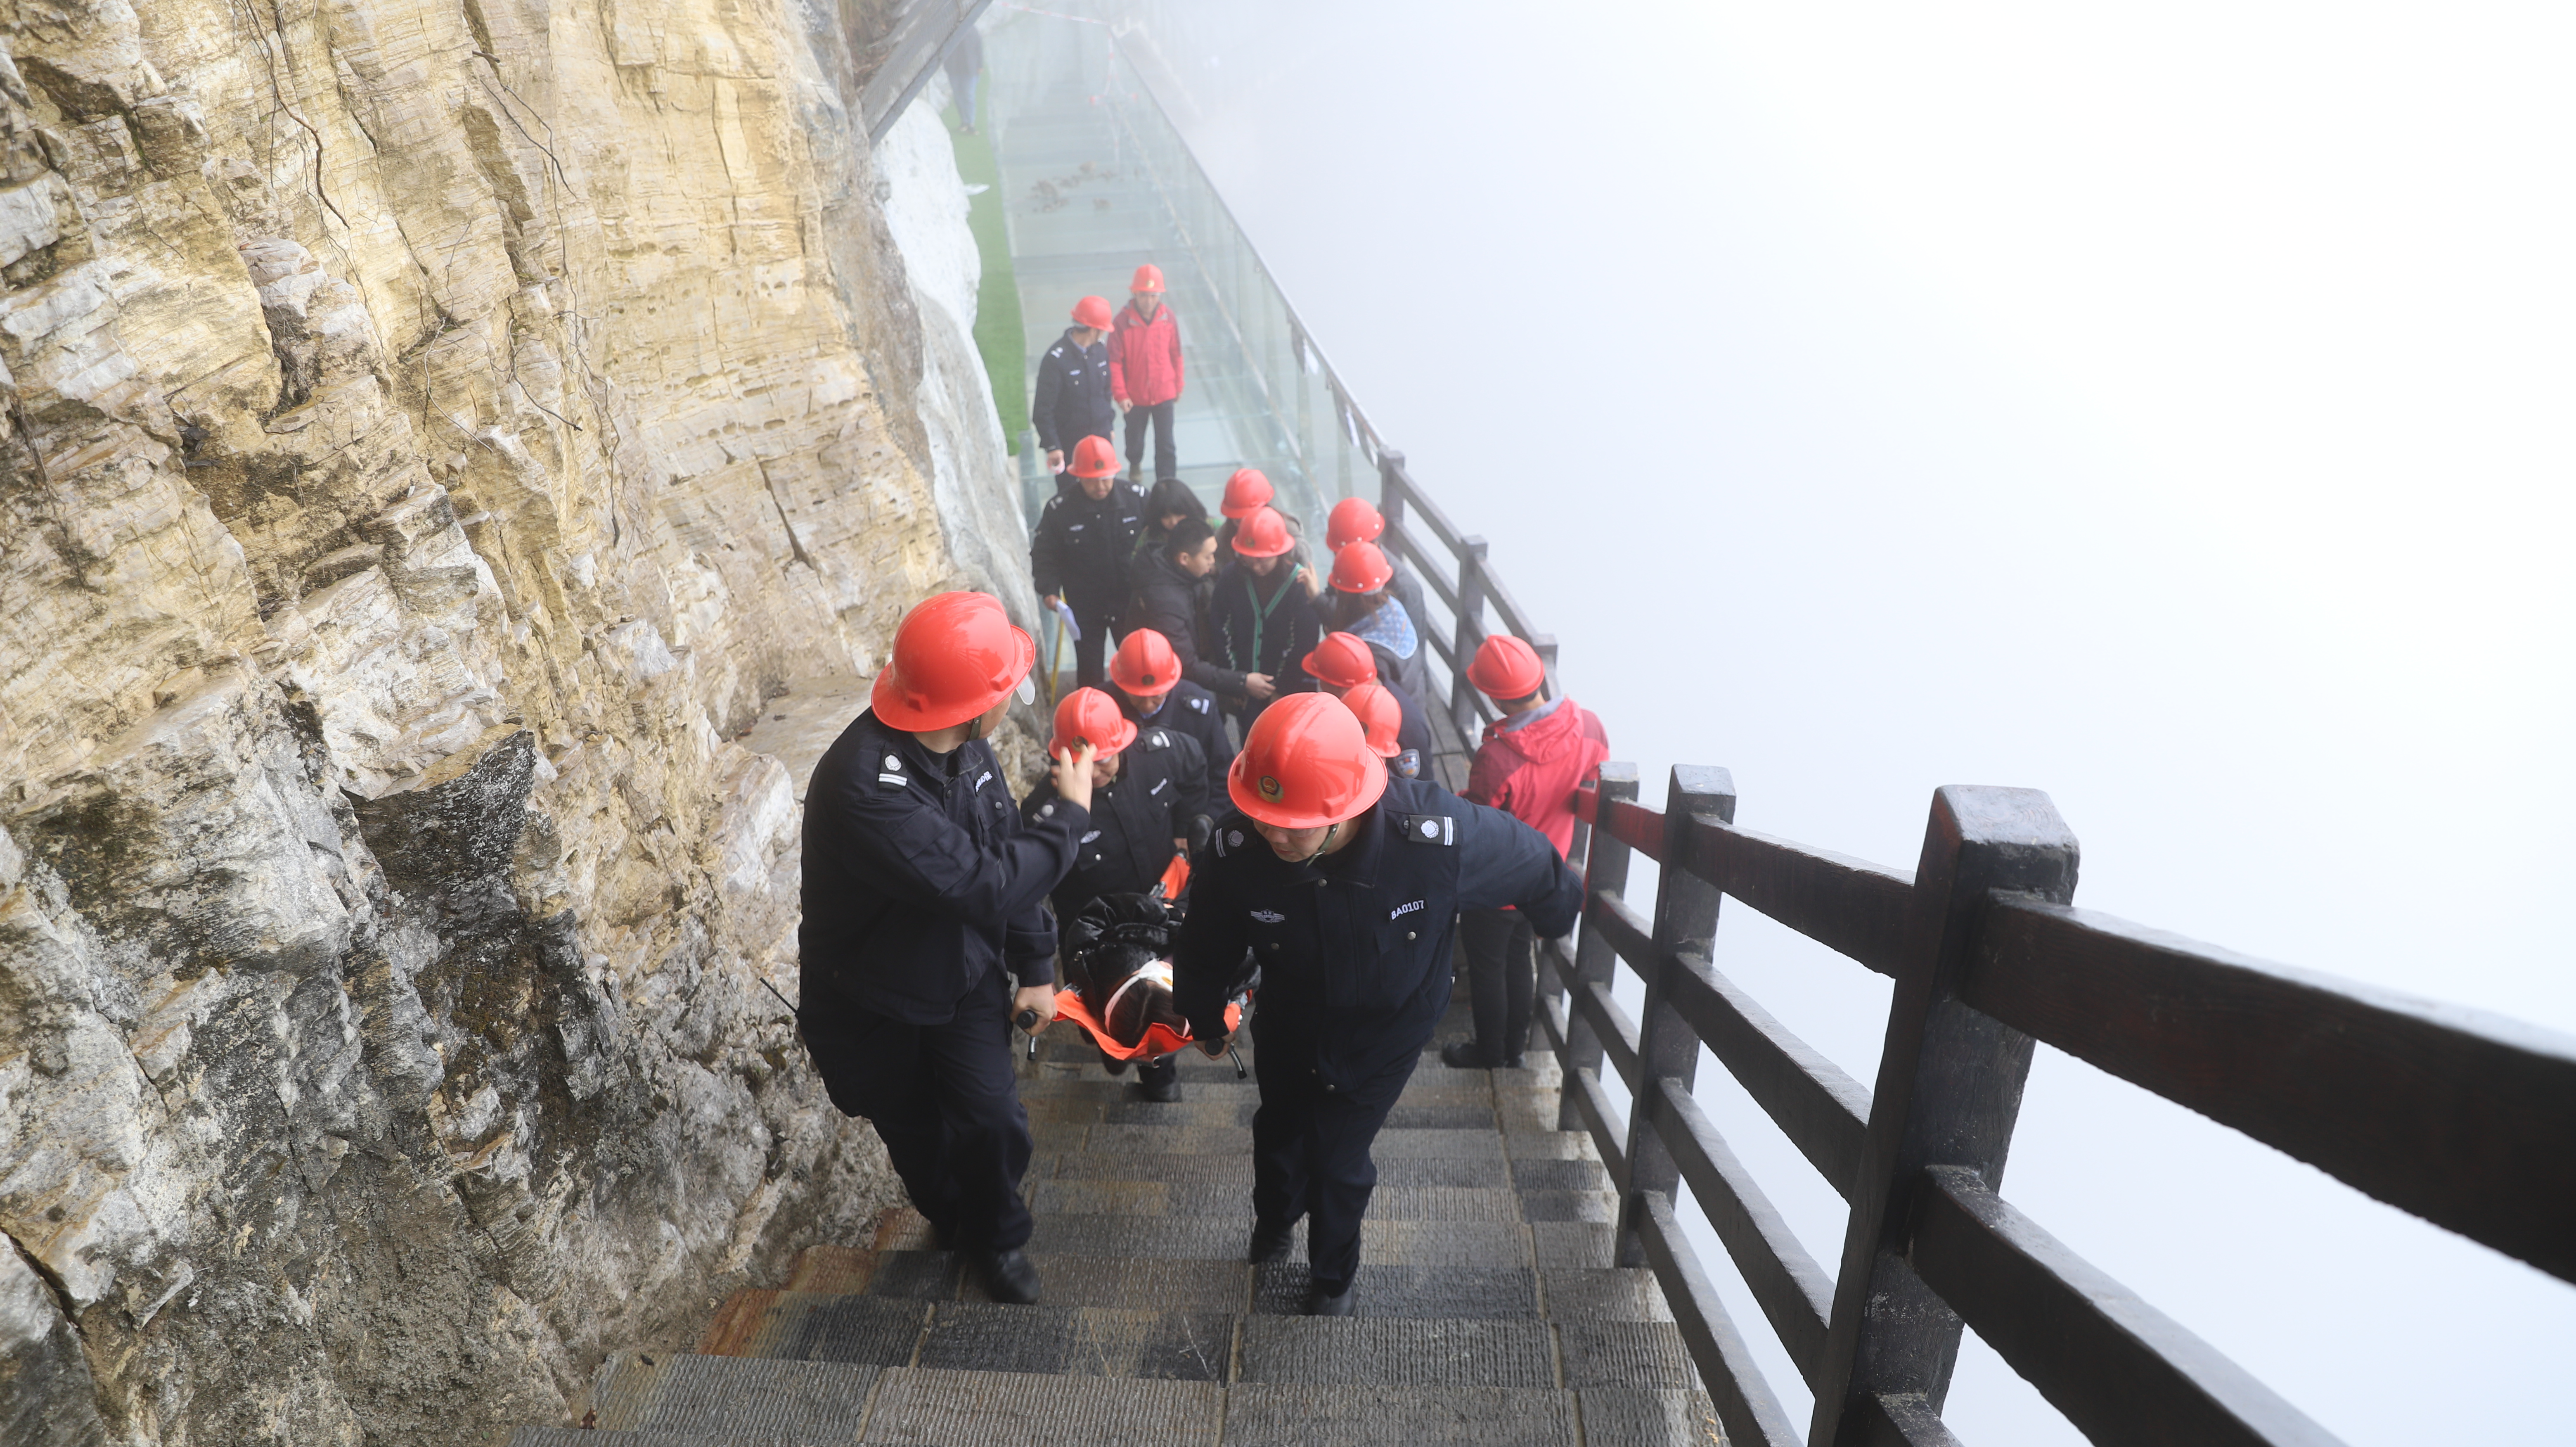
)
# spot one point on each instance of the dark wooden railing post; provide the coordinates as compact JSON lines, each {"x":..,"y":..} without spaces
{"x":1595,"y":958}
{"x":1471,"y":631}
{"x":1391,"y":481}
{"x":1667,"y":1047}
{"x":1949,"y":1089}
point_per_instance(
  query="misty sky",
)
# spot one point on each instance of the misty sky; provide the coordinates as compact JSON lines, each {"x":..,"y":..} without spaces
{"x":2166,"y":409}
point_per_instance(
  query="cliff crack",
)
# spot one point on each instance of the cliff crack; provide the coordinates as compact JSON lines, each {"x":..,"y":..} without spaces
{"x":794,"y":543}
{"x":53,"y":1283}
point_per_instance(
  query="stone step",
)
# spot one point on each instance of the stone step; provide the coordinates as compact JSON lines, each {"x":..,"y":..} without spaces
{"x":1202,"y":1339}
{"x":1093,"y":1196}
{"x":1591,"y":1293}
{"x":1235,"y":1109}
{"x":1004,"y":1410}
{"x":1013,"y":1409}
{"x":1396,"y":1142}
{"x":1107,"y":1090}
{"x":793,"y":1403}
{"x":1492,"y":1171}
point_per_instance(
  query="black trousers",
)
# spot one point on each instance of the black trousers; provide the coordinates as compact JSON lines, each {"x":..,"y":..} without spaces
{"x":1157,"y":1072}
{"x":1502,"y":979}
{"x":944,"y":1101}
{"x":1167,"y":454}
{"x":1098,"y":614}
{"x":1310,"y":1153}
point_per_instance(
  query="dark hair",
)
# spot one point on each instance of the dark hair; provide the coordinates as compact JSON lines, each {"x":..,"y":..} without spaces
{"x":1171,"y":495}
{"x":1186,"y":536}
{"x":1529,"y":697}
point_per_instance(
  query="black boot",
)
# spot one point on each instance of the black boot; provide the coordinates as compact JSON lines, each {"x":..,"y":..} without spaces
{"x":1270,"y":1243}
{"x":1463,"y":1055}
{"x":1161,"y":1081}
{"x":1113,"y":1064}
{"x":1009,"y":1276}
{"x":1322,"y":1300}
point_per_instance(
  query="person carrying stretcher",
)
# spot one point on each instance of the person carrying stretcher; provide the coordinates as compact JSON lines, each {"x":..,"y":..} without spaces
{"x":1149,"y":798}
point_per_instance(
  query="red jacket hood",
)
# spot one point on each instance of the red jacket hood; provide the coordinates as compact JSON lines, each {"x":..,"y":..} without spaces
{"x":1552,"y":737}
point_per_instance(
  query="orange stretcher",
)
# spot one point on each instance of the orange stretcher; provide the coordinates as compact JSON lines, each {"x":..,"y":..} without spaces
{"x":1160,"y":1039}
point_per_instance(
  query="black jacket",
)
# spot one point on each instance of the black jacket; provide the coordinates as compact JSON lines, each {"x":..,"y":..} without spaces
{"x":1161,"y":789}
{"x":1073,"y":395}
{"x":1080,"y":547}
{"x":1355,"y":951}
{"x":1413,"y":734}
{"x":919,"y":875}
{"x":1174,"y":604}
{"x":1192,"y":710}
{"x":1262,"y":625}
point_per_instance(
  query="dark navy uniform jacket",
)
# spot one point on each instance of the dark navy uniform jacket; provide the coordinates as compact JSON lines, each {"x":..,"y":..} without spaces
{"x":1072,"y":400}
{"x":920,"y":876}
{"x":1080,"y":546}
{"x":1161,"y":787}
{"x":1192,"y":710}
{"x":1355,"y":950}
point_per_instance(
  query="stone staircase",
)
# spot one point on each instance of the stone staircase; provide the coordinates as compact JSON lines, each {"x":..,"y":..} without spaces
{"x":1489,"y":1310}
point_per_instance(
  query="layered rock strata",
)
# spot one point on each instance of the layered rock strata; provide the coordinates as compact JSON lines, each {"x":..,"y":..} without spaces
{"x":435,"y":433}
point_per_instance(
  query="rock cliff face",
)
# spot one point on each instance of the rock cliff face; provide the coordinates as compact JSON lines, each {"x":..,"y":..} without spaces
{"x":436,"y":431}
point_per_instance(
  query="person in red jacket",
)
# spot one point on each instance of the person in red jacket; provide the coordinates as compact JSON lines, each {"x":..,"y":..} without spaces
{"x":1530,"y":764}
{"x":1145,"y":373}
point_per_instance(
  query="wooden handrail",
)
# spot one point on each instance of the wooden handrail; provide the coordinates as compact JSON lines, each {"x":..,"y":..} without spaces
{"x":2463,"y":1119}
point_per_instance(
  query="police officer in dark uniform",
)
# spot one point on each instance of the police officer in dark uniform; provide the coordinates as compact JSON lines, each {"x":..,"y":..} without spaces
{"x":1149,"y":799}
{"x":1345,"y":661}
{"x":1343,"y":885}
{"x":1147,"y":677}
{"x":1073,"y":400}
{"x":922,"y":888}
{"x":1080,"y":548}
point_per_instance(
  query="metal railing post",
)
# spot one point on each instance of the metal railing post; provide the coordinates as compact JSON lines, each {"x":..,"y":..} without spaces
{"x":1949,"y":1089}
{"x":1596,"y":960}
{"x":1471,"y":631}
{"x":1667,"y":1047}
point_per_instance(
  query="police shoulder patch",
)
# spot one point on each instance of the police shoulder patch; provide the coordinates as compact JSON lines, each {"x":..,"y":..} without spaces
{"x":1157,"y":740}
{"x":1200,"y":704}
{"x":1428,"y":828}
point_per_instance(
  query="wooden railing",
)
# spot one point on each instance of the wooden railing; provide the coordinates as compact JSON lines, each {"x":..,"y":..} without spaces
{"x":1457,"y":575}
{"x":2466,"y":1120}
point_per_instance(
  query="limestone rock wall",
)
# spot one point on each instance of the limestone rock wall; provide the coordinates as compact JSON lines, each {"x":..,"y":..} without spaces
{"x":434,"y":429}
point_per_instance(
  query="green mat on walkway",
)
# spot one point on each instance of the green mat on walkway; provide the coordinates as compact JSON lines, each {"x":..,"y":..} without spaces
{"x":998,"y":331}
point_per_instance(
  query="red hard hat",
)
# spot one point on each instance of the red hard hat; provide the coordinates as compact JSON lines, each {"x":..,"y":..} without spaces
{"x":1360,"y":568}
{"x":1094,"y":457}
{"x":1149,"y":277}
{"x":1145,"y":664}
{"x":1505,"y":667}
{"x":1354,"y":520}
{"x":1088,"y":716}
{"x":1341,"y":660}
{"x":1380,"y":716}
{"x":1307,"y":763}
{"x":1246,"y":493}
{"x":955,"y":656}
{"x":1263,"y":535}
{"x":1093,"y":312}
